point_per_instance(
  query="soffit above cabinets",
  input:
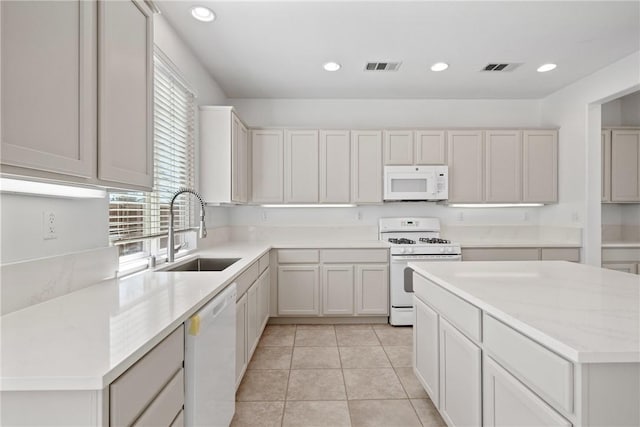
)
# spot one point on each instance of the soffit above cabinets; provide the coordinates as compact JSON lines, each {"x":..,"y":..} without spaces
{"x":268,"y":49}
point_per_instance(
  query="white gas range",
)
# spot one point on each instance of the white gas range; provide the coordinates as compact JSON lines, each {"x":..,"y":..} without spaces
{"x":412,"y":239}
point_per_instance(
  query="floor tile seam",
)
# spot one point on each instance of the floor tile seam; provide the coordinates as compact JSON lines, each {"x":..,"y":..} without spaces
{"x":416,"y":412}
{"x":402,"y":384}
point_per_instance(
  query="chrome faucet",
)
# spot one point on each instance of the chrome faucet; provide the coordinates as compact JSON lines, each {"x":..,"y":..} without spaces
{"x":202,"y":232}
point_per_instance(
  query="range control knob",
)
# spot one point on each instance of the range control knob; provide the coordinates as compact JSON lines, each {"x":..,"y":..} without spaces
{"x":442,"y":250}
{"x":449,"y":249}
{"x":410,"y":250}
{"x":401,"y":250}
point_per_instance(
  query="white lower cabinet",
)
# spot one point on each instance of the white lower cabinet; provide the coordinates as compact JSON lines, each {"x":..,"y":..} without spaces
{"x":508,"y":403}
{"x":372,"y":289}
{"x":241,"y":340}
{"x":252,"y":314}
{"x":426,"y":350}
{"x":460,"y":378}
{"x":626,"y":267}
{"x":298,"y":290}
{"x":333,"y":282}
{"x":337,"y":289}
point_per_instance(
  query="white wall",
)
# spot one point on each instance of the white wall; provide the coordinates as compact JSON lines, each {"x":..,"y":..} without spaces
{"x":377,"y":113}
{"x":83,"y":223}
{"x":624,"y":111}
{"x":576,"y":110}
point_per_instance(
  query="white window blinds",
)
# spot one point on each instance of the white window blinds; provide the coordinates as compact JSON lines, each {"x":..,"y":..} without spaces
{"x":137,"y":216}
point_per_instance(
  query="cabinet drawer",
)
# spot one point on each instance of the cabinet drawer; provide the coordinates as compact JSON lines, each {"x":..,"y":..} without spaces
{"x":621,"y":255}
{"x":561,"y":254}
{"x":460,"y":313}
{"x":132,"y":392}
{"x":263,"y":262}
{"x":166,"y":406}
{"x":508,"y":403}
{"x":545,"y":372}
{"x":246,"y":279}
{"x":335,"y":256}
{"x":298,"y":256}
{"x":502,"y":254}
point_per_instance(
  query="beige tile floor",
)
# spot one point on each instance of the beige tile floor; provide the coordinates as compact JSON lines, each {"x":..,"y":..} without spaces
{"x":333,"y":375}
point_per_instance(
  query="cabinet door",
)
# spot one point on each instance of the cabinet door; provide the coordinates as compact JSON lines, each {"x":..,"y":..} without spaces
{"x":125,"y":90}
{"x":426,"y":350}
{"x":241,"y":338}
{"x":503,"y":159}
{"x":460,"y":378}
{"x":372,"y":289}
{"x":48,"y":86}
{"x":366,"y":166}
{"x":335,"y":166}
{"x":301,"y":157}
{"x":267,"y":166}
{"x":298,"y":290}
{"x":540,"y":166}
{"x":253,"y":323}
{"x":605,"y":158}
{"x":337,"y":289}
{"x":239,"y":152}
{"x":465,"y":157}
{"x":430,"y":146}
{"x":264,"y":296}
{"x":398,"y":147}
{"x":508,"y":403}
{"x":625,"y":166}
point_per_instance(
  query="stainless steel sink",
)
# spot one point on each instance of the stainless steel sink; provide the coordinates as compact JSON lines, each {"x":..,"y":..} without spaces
{"x":205,"y":264}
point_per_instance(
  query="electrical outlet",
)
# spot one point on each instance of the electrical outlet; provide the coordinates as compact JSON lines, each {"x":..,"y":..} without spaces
{"x":575,"y":217}
{"x":359,"y":216}
{"x":460,"y":216}
{"x":49,"y":225}
{"x":263,"y":216}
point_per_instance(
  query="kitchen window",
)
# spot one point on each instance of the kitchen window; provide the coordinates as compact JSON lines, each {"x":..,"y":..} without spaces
{"x":138,"y":221}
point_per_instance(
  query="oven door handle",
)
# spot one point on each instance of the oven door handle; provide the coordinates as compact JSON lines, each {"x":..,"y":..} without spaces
{"x":408,"y":279}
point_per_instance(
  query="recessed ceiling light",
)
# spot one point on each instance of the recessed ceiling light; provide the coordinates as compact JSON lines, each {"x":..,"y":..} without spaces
{"x":546,"y":67}
{"x":202,"y":13}
{"x":331,"y":66}
{"x":439,"y":66}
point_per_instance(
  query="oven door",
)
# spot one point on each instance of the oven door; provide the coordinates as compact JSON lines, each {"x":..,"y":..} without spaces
{"x":399,"y":296}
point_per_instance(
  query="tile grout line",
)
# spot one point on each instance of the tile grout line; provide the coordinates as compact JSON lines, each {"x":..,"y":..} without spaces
{"x":286,"y":389}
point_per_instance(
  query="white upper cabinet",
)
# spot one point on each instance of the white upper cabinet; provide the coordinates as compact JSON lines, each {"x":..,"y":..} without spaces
{"x":366,"y":166}
{"x":398,"y":147}
{"x":430,"y":147}
{"x":301,"y":158}
{"x":125,"y":93}
{"x":223,"y":156}
{"x":48,"y":112}
{"x":420,"y":147}
{"x":605,"y":158}
{"x":267,"y":148}
{"x":335,"y":166}
{"x":503,"y":174}
{"x":94,"y":108}
{"x":625,"y":165}
{"x":465,"y":158}
{"x":540,"y":166}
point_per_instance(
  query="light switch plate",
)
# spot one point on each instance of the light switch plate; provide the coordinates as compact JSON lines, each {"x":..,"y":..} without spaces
{"x":49,"y":225}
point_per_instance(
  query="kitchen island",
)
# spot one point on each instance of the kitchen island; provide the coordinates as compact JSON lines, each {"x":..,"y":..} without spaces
{"x":528,"y":343}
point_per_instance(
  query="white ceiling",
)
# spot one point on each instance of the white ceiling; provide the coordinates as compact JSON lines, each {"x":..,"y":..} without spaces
{"x":269,"y":49}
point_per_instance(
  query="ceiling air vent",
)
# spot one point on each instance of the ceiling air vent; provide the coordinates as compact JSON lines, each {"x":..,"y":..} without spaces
{"x":497,"y":66}
{"x":382,"y":66}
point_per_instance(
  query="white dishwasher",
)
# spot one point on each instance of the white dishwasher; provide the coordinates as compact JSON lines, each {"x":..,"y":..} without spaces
{"x":210,"y":359}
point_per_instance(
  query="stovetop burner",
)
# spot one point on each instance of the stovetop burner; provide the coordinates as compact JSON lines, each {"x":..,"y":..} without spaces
{"x":434,"y":240}
{"x":402,"y":241}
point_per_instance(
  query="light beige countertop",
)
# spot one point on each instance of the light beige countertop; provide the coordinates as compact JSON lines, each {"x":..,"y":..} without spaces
{"x":586,"y":314}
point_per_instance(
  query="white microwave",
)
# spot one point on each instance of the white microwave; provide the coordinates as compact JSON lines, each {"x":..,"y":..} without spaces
{"x":416,"y":183}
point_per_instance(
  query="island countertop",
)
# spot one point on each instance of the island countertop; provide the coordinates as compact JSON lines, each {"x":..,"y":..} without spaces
{"x":586,"y":314}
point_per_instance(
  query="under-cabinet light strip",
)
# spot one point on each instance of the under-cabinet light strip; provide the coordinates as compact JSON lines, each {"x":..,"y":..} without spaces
{"x":310,"y":206}
{"x":494,"y":205}
{"x":8,"y":185}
